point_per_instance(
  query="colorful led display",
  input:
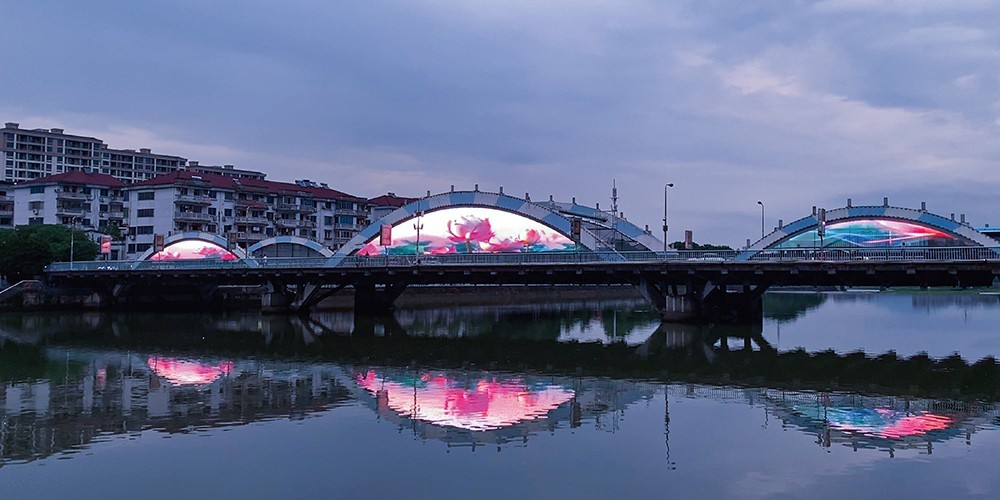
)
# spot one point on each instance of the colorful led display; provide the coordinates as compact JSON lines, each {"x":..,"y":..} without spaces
{"x":184,"y":372}
{"x":873,"y":233}
{"x":477,"y":405}
{"x":460,"y":230}
{"x":193,"y":249}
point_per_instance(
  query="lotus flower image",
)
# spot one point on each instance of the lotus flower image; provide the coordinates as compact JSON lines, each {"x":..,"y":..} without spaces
{"x":471,"y":231}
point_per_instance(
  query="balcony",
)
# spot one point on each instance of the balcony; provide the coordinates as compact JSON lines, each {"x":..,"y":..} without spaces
{"x":186,"y":199}
{"x":286,"y":207}
{"x":252,"y":237}
{"x":6,"y":199}
{"x":6,"y":211}
{"x":355,"y":213}
{"x":115,"y":215}
{"x":251,"y":221}
{"x":307,"y":223}
{"x":192,"y":217}
{"x":67,"y":195}
{"x":289,"y":223}
{"x":71,"y":211}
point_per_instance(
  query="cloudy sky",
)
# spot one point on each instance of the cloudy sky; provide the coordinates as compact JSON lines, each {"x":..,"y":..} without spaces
{"x":794,"y":103}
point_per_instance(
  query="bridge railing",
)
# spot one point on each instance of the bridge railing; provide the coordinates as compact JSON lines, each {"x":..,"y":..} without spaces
{"x":896,"y":254}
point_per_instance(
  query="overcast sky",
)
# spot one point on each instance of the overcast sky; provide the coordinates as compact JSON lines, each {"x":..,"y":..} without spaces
{"x":794,"y":103}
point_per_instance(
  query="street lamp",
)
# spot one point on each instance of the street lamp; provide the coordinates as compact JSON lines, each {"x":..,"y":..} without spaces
{"x":665,"y":188}
{"x":72,"y":239}
{"x":761,"y":203}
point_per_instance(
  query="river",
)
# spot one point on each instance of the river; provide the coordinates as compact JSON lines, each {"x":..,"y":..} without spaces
{"x":834,"y":395}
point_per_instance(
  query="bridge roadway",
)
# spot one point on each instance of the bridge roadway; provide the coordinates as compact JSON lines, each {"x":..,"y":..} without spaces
{"x":694,"y":286}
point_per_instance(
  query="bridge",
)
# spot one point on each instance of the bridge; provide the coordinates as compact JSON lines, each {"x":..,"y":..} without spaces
{"x":476,"y":238}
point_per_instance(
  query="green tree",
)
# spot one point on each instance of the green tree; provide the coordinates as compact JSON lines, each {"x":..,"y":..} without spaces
{"x":26,"y":250}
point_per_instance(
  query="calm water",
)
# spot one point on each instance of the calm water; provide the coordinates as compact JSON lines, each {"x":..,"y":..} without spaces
{"x":570,"y":400}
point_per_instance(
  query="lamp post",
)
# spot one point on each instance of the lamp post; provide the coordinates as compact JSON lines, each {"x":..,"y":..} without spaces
{"x":761,"y":203}
{"x":72,"y":239}
{"x":665,"y":188}
{"x":418,"y":226}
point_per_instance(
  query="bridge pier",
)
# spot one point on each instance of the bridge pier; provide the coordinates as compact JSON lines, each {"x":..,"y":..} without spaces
{"x":371,"y":298}
{"x":705,"y":302}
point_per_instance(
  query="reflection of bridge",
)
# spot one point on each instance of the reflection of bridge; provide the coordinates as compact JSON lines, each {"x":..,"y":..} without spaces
{"x":549,"y":243}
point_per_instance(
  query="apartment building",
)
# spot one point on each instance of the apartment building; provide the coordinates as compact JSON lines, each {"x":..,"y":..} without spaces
{"x":31,"y":154}
{"x":226,"y":170}
{"x":85,"y":200}
{"x":245,"y":210}
{"x":6,"y":205}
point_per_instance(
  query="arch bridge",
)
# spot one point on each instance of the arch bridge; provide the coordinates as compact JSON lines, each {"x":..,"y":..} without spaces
{"x":474,"y":238}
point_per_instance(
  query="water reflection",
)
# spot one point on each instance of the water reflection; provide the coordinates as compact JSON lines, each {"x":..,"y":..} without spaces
{"x":473,"y":376}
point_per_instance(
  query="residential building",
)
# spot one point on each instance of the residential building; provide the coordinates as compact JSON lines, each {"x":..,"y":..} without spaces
{"x":226,"y":170}
{"x":6,"y":205}
{"x":245,"y":210}
{"x":30,"y":154}
{"x":385,"y":204}
{"x":131,"y":166}
{"x":81,"y":199}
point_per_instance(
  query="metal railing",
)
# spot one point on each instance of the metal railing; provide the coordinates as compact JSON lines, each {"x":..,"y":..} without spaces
{"x":842,"y":255}
{"x":197,"y":216}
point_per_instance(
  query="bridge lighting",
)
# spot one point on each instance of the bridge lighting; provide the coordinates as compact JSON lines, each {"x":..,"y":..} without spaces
{"x":665,"y":187}
{"x":761,"y":203}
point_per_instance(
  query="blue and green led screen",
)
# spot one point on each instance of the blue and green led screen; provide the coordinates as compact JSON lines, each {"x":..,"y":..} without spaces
{"x":867,"y":233}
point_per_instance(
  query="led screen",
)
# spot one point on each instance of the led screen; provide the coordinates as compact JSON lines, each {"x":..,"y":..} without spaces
{"x":873,"y":233}
{"x":193,"y":249}
{"x":472,"y":404}
{"x":469,"y":230}
{"x":184,"y":372}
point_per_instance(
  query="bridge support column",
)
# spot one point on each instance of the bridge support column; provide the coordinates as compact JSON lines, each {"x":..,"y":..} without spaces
{"x":704,"y":302}
{"x":370,"y":298}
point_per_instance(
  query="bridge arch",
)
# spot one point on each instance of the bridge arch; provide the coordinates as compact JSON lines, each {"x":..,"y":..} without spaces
{"x":288,"y":246}
{"x":467,"y":218}
{"x":194,"y":245}
{"x":871,"y":227}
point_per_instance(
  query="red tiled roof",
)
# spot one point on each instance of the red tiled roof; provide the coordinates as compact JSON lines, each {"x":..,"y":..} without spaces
{"x":390,"y":200}
{"x":224,"y":182}
{"x":78,"y":177}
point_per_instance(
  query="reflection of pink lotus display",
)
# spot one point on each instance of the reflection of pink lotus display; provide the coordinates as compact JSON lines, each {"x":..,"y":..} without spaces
{"x":183,"y":372}
{"x":193,"y":249}
{"x":483,"y":405}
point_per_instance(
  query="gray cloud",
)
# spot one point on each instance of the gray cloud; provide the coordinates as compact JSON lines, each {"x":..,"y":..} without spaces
{"x":793,"y":103}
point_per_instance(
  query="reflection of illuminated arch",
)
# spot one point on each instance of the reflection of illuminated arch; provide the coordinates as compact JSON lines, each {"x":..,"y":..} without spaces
{"x":554,"y":218}
{"x":963,"y":234}
{"x":288,"y":246}
{"x":209,"y":238}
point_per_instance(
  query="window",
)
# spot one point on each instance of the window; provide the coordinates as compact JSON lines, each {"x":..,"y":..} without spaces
{"x":144,"y":212}
{"x":229,"y":212}
{"x":328,"y":220}
{"x":341,"y":219}
{"x":211,"y":211}
{"x":144,"y":230}
{"x":145,"y":196}
{"x":37,"y":189}
{"x":35,"y":221}
{"x":36,"y":205}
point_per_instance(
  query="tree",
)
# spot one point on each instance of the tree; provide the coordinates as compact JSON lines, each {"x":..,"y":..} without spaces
{"x":26,"y":250}
{"x":679,"y":245}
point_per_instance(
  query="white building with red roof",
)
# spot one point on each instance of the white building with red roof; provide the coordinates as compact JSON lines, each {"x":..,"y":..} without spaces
{"x":89,"y":201}
{"x":243,"y":210}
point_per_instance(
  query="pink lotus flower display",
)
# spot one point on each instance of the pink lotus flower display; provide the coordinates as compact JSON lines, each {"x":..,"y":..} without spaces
{"x":470,"y":230}
{"x":193,"y":250}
